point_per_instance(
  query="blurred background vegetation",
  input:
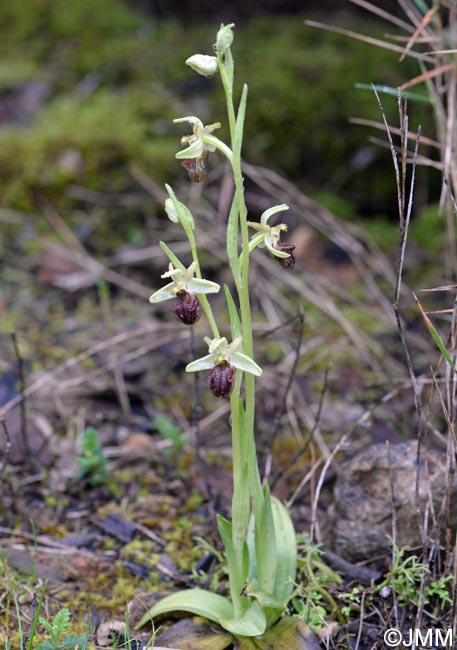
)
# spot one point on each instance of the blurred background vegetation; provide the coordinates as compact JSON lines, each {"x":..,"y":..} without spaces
{"x":89,"y":88}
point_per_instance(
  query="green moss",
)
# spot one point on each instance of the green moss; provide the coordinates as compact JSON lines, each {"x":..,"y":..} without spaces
{"x":90,"y":141}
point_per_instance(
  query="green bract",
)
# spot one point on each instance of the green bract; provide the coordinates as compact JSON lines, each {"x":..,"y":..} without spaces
{"x":220,"y":351}
{"x":183,"y":281}
{"x":269,"y":236}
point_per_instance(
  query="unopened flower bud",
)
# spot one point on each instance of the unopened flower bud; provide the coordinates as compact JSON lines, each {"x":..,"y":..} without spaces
{"x":203,"y":64}
{"x":187,"y":307}
{"x":224,"y":38}
{"x":286,"y":262}
{"x":222,"y":379}
{"x":171,"y":211}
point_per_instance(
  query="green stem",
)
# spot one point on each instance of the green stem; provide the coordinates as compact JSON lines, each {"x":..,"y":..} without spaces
{"x":242,"y":286}
{"x":203,"y":299}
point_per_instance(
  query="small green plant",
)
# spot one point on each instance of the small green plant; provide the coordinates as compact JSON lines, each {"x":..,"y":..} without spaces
{"x":57,"y":631}
{"x":353,"y":601}
{"x":171,"y":432}
{"x":439,"y":590}
{"x":312,"y":600}
{"x":405,"y":577}
{"x":92,"y":464}
{"x":260,"y":544}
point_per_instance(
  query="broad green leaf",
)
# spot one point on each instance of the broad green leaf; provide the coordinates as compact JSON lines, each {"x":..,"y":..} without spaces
{"x":265,"y":545}
{"x":172,"y":257}
{"x":253,"y":622}
{"x":388,"y":90}
{"x":196,"y":601}
{"x":235,"y":323}
{"x":286,"y":552}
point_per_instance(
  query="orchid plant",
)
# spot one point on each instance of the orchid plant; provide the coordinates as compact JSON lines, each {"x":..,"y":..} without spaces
{"x":260,"y":542}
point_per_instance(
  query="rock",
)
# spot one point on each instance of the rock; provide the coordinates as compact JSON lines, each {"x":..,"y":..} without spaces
{"x":361,"y":518}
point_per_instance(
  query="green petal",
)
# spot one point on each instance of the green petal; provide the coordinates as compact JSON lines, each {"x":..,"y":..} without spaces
{"x":204,"y":363}
{"x":165,"y":293}
{"x":203,"y":286}
{"x":243,"y":362}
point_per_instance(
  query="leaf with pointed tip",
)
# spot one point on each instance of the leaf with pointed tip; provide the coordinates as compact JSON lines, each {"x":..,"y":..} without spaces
{"x":286,"y":552}
{"x":235,"y":323}
{"x":196,"y":601}
{"x":252,"y":623}
{"x":265,"y":545}
{"x":172,"y":257}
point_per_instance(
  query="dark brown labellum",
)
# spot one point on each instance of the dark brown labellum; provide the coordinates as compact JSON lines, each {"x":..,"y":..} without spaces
{"x":286,"y":262}
{"x":187,"y":307}
{"x":197,"y":168}
{"x":222,"y":379}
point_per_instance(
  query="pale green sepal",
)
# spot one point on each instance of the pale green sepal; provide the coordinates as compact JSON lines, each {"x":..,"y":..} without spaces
{"x":265,"y":545}
{"x":198,"y":285}
{"x":275,"y":251}
{"x":286,"y":552}
{"x":196,"y":601}
{"x":271,"y":211}
{"x":172,"y":257}
{"x":243,"y":362}
{"x":194,"y":150}
{"x":252,"y":623}
{"x":235,"y":323}
{"x":205,"y":363}
{"x":165,"y":293}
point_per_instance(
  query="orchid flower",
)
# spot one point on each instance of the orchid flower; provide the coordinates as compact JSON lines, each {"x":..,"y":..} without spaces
{"x":269,"y":236}
{"x":183,"y":281}
{"x":220,"y":352}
